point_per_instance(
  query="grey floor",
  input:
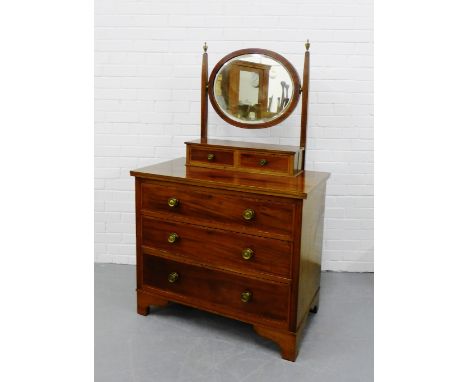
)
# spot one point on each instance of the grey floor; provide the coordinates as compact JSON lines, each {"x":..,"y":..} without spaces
{"x":181,"y":344}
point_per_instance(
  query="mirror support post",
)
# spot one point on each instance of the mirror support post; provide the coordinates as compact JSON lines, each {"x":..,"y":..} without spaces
{"x":204,"y":95}
{"x":305,"y":102}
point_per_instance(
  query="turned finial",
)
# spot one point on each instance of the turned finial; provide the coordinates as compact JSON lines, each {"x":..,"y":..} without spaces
{"x":307,"y":44}
{"x":205,"y":47}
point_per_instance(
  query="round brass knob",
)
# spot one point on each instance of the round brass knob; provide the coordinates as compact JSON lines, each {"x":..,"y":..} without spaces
{"x":173,"y":237}
{"x":247,"y":254}
{"x":246,"y":296}
{"x":211,"y":156}
{"x":172,"y":202}
{"x":248,"y":214}
{"x":263,"y":162}
{"x":173,"y":277}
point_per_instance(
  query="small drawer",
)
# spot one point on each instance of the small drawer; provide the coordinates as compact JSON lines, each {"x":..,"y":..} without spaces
{"x":266,"y":162}
{"x":224,"y":292}
{"x":237,"y":252}
{"x":214,"y":157}
{"x":227,"y":210}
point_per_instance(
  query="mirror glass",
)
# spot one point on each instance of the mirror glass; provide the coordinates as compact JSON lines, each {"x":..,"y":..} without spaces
{"x":253,"y":89}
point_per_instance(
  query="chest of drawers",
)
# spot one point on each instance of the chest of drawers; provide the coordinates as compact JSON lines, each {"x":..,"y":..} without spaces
{"x":231,"y":243}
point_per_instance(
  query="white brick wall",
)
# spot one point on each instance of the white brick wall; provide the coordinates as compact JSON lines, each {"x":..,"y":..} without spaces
{"x":148,"y":62}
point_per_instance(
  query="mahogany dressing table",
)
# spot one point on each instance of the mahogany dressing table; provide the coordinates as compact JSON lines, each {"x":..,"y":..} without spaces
{"x":236,"y":228}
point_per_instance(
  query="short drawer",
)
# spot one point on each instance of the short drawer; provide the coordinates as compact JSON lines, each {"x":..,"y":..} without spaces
{"x":227,"y":250}
{"x":223,"y":291}
{"x":212,"y":156}
{"x":267,"y":162}
{"x":227,"y":210}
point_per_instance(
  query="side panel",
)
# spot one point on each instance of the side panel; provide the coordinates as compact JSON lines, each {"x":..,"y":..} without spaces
{"x":311,"y":250}
{"x":139,"y":260}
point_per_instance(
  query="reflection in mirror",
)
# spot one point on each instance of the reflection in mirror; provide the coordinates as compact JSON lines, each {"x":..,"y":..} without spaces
{"x":253,"y":88}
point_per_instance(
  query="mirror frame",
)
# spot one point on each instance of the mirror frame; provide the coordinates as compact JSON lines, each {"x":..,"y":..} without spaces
{"x":275,"y":56}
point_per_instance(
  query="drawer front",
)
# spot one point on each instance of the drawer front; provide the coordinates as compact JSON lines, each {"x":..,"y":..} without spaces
{"x":219,"y":289}
{"x":205,"y":206}
{"x":267,"y":162}
{"x":233,"y":251}
{"x":210,"y":156}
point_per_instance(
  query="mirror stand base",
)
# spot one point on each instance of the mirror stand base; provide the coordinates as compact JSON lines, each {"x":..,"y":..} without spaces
{"x":255,"y":158}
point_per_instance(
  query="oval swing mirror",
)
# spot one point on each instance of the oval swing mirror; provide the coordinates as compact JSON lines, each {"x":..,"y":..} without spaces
{"x":254,"y":88}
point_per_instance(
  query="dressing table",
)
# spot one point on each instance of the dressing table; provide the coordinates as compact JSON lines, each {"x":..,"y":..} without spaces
{"x":236,"y":228}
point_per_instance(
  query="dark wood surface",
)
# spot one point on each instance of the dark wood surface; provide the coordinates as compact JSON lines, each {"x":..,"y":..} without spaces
{"x":246,"y":146}
{"x":310,"y":252}
{"x":176,"y":172}
{"x":241,"y":159}
{"x":220,"y":157}
{"x":273,"y":216}
{"x":274,"y":163}
{"x":147,"y":299}
{"x":204,"y":98}
{"x":269,"y":300}
{"x":285,"y":235}
{"x":202,"y":245}
{"x":305,"y":103}
{"x":139,"y":260}
{"x":286,"y":340}
{"x":294,"y":94}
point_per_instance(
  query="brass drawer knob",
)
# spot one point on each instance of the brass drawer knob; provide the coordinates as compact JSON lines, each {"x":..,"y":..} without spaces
{"x":246,"y":296}
{"x":247,"y":254}
{"x":173,"y":277}
{"x":211,"y":156}
{"x":263,"y":162}
{"x":173,"y":237}
{"x":172,"y":202}
{"x":248,"y":214}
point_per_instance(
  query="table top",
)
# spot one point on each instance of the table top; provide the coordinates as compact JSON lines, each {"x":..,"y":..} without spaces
{"x":290,"y":186}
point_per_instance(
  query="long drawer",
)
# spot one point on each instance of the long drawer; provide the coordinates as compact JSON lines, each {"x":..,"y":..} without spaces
{"x":233,"y":251}
{"x":227,"y":210}
{"x":223,"y":291}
